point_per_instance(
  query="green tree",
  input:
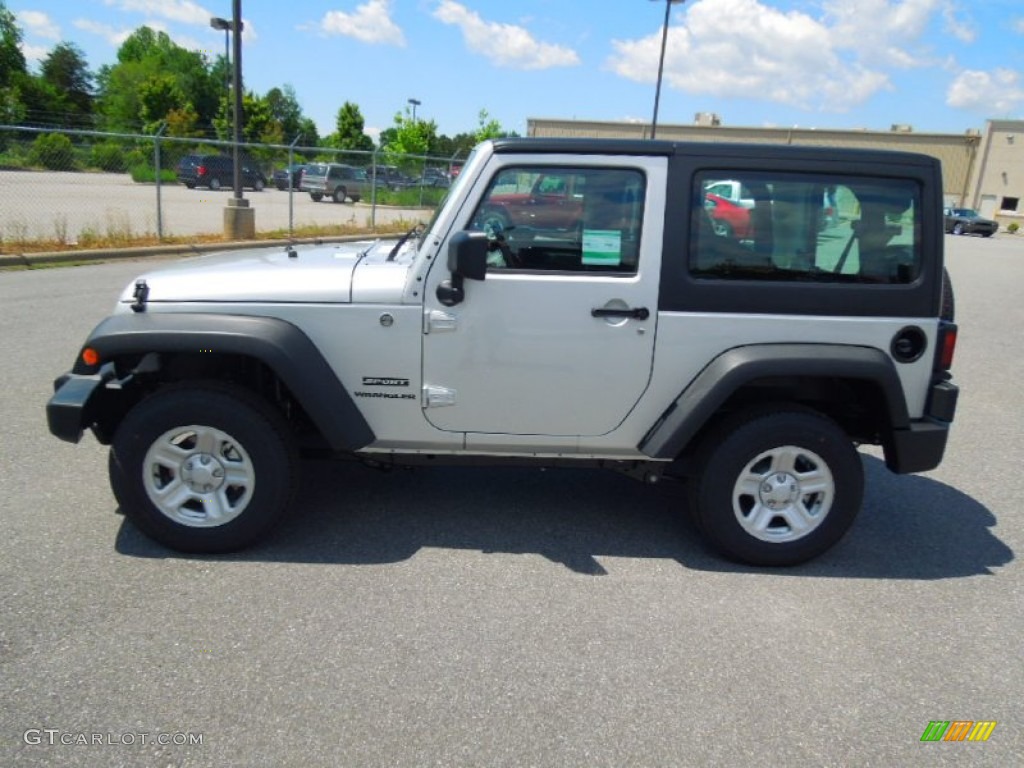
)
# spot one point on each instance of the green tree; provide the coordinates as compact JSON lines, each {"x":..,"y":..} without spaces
{"x":183,"y":122}
{"x":12,"y":60}
{"x":65,"y":69}
{"x":349,"y":133}
{"x":53,"y":151}
{"x":411,"y":137}
{"x":488,"y":127}
{"x":145,"y":59}
{"x":310,"y":137}
{"x":159,"y":95}
{"x":284,"y":108}
{"x":12,"y":71}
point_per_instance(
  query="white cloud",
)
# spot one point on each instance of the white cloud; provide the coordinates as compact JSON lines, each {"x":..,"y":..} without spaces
{"x":833,"y":60}
{"x":1018,"y":25}
{"x":746,"y":49}
{"x":996,"y":93}
{"x":962,"y":29}
{"x":505,"y":45}
{"x":184,"y":11}
{"x":34,"y":53}
{"x":369,"y":23}
{"x":38,"y":24}
{"x":113,"y":36}
{"x":885,"y":31}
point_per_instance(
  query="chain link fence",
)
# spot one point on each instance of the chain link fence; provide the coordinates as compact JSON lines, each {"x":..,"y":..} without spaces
{"x":88,"y":189}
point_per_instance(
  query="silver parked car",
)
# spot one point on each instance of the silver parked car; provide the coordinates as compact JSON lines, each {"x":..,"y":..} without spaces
{"x":335,"y":181}
{"x":965,"y":221}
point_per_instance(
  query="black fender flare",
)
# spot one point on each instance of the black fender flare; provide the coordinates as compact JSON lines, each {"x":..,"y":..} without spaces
{"x":281,"y":346}
{"x":739,"y":366}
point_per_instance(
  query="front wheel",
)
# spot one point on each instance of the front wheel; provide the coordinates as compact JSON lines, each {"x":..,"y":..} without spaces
{"x":316,"y":196}
{"x":203,"y":468}
{"x":258,"y":185}
{"x":776,"y":487}
{"x":958,"y":228}
{"x":339,"y":195}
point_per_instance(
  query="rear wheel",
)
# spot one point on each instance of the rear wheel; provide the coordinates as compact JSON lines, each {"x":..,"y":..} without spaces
{"x":317,"y":197}
{"x":203,"y":468}
{"x":214,"y":184}
{"x":776,"y":487}
{"x":339,"y":195}
{"x":722,"y":228}
{"x":258,"y":185}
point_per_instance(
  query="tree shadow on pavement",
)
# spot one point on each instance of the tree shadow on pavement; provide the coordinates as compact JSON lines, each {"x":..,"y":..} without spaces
{"x":911,"y":527}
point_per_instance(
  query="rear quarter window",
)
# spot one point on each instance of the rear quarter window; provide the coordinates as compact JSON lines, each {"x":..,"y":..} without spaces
{"x":805,"y":228}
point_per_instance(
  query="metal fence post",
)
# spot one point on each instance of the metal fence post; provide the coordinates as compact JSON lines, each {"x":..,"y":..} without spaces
{"x":373,"y":191}
{"x":159,"y":205}
{"x":291,"y":186}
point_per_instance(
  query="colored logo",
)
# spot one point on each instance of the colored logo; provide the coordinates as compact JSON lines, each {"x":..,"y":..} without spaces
{"x":958,"y":730}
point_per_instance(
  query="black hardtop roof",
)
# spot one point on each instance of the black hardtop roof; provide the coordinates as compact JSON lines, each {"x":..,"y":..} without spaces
{"x":660,"y":148}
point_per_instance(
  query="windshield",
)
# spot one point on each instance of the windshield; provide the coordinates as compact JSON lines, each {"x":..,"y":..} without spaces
{"x":453,"y":190}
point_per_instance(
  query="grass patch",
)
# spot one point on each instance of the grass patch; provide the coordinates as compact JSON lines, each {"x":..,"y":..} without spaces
{"x":410,"y":197}
{"x":147,"y":174}
{"x":117,"y":236}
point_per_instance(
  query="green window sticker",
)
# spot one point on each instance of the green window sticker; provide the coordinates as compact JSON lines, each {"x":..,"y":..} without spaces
{"x":602,"y":247}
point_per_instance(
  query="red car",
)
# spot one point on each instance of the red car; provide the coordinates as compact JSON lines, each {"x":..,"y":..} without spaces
{"x":728,"y":218}
{"x":551,"y":202}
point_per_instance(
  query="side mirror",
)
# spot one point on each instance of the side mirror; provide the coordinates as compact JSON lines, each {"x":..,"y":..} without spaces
{"x":467,"y":258}
{"x":467,"y":254}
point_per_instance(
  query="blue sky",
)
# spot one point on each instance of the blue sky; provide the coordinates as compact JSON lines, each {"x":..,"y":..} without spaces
{"x":939,"y":65}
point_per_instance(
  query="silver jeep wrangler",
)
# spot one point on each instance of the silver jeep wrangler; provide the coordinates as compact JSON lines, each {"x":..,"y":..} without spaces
{"x":571,"y":303}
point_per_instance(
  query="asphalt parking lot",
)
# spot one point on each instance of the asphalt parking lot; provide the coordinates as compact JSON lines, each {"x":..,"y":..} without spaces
{"x":510,"y":617}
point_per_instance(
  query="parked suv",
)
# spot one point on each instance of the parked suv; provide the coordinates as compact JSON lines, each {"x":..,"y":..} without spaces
{"x":216,"y":171}
{"x":637,"y":336}
{"x":335,"y":181}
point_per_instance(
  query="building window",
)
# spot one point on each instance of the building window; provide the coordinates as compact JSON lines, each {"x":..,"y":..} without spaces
{"x":1009,"y":204}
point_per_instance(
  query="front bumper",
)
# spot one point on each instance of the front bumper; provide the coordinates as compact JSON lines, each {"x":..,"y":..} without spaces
{"x":74,"y":404}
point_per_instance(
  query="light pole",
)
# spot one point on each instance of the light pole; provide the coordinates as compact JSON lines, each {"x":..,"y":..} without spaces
{"x":661,"y":64}
{"x":239,"y":218}
{"x":225,"y":26}
{"x":415,"y":103}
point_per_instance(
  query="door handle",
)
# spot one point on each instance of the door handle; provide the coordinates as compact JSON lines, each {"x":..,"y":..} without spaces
{"x":636,"y":313}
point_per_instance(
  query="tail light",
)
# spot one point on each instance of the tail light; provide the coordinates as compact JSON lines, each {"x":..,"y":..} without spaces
{"x":946,"y":346}
{"x":201,"y":170}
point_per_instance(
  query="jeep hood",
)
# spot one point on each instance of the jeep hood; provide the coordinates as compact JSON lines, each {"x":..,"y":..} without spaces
{"x":332,"y":274}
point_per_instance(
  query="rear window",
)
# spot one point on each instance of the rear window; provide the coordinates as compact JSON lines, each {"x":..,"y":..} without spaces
{"x":801,"y":227}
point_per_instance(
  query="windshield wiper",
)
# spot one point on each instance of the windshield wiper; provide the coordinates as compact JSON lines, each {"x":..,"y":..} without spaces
{"x":402,"y":240}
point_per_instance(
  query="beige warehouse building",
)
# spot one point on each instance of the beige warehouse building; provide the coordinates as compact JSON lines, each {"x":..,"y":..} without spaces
{"x":981,"y":169}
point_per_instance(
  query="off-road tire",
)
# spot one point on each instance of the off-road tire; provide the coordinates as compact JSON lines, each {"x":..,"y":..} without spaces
{"x":763,"y":474}
{"x":173,"y":445}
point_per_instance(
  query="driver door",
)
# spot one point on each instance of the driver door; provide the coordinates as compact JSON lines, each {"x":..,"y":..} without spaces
{"x":558,"y":339}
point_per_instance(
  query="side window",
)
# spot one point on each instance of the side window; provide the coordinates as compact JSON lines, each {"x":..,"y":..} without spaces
{"x":563,"y":219}
{"x":804,"y":227}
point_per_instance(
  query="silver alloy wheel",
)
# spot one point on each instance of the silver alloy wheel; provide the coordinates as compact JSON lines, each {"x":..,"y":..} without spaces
{"x":783,"y":494}
{"x":198,"y":476}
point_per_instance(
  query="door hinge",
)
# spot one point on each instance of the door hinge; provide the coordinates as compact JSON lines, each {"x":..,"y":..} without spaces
{"x":439,"y":321}
{"x":435,"y":396}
